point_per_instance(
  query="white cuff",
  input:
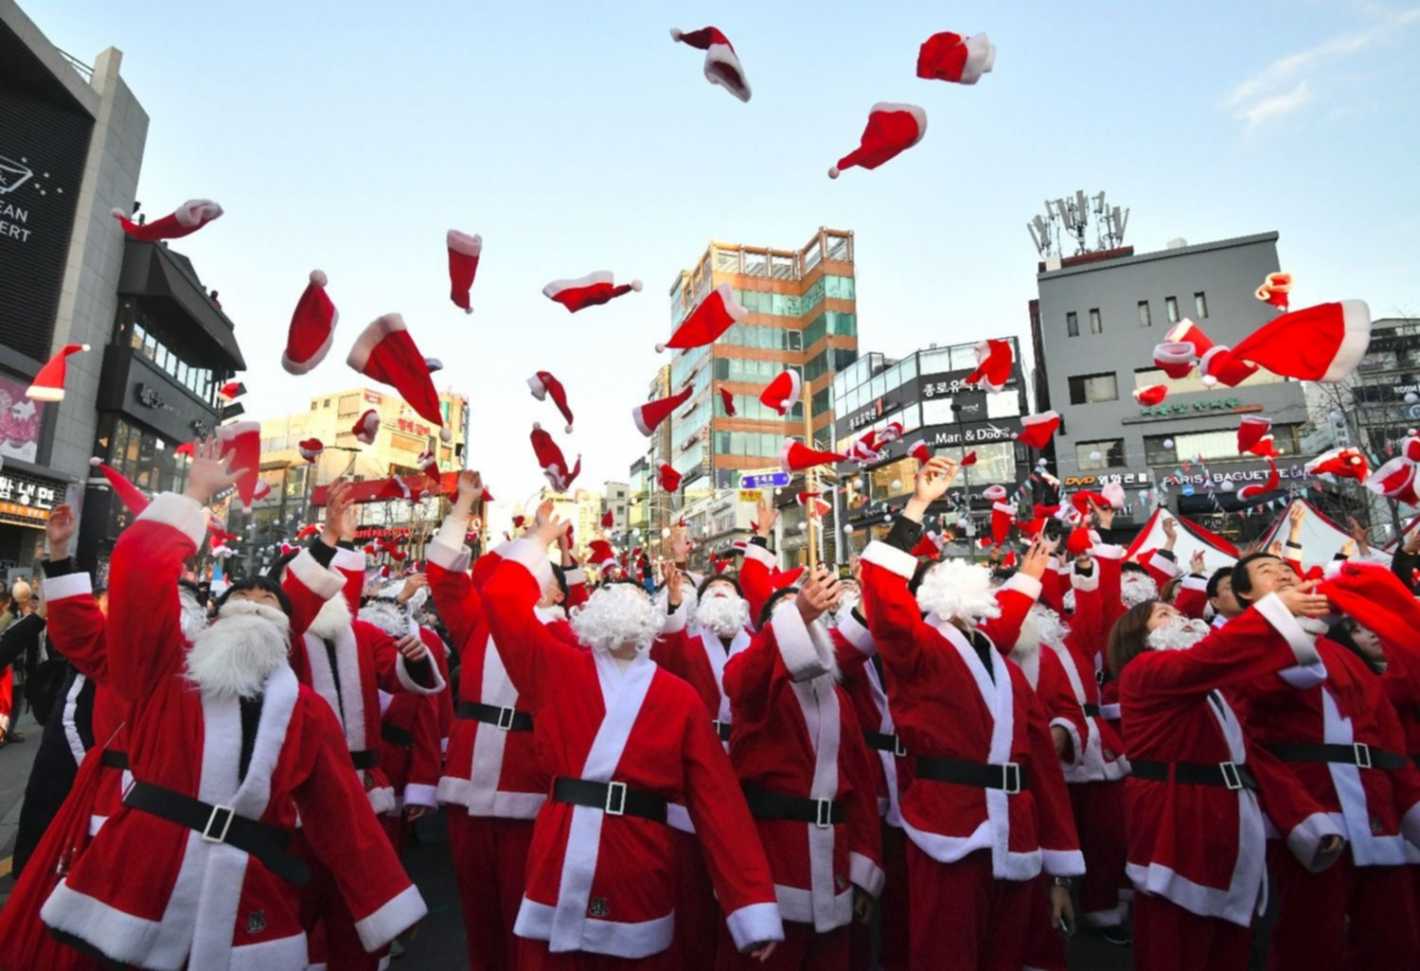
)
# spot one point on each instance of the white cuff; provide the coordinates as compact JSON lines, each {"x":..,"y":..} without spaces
{"x":1087,"y":584}
{"x":455,"y":559}
{"x":1107,"y":551}
{"x":796,"y":643}
{"x":348,"y":560}
{"x":452,"y":532}
{"x":1163,"y":564}
{"x":676,"y":619}
{"x":68,"y":585}
{"x":1303,"y":645}
{"x":1194,"y":582}
{"x":1063,"y":863}
{"x":755,"y":924}
{"x":418,"y":794}
{"x":890,"y":558}
{"x":760,"y":554}
{"x":1023,"y":583}
{"x":324,"y":583}
{"x":401,"y":671}
{"x":527,"y":554}
{"x":1077,"y":749}
{"x":1304,"y":841}
{"x":398,"y":914}
{"x":575,"y":576}
{"x":866,"y":875}
{"x":856,"y":634}
{"x":181,"y":513}
{"x":1304,"y":676}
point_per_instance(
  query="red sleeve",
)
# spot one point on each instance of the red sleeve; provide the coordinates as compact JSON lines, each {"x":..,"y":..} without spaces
{"x":1087,"y":631}
{"x":1062,"y":709}
{"x":670,"y":650}
{"x":76,"y":625}
{"x":1292,"y":810}
{"x":1192,"y":596}
{"x":350,"y":564}
{"x":1015,"y":598}
{"x":755,"y":573}
{"x":576,"y":588}
{"x":528,"y":649}
{"x":1109,"y":563}
{"x":895,"y":620}
{"x":1160,"y":566}
{"x":1053,"y":586}
{"x":308,"y":585}
{"x":425,"y":762}
{"x":750,"y":675}
{"x":1059,"y":842}
{"x":455,"y":596}
{"x":1296,"y":565}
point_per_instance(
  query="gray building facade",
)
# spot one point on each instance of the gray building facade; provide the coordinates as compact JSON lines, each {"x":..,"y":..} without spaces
{"x":1095,"y":325}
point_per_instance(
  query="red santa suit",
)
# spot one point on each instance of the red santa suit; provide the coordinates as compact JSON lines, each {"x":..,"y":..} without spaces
{"x":409,"y":756}
{"x":600,"y":879}
{"x":204,"y":901}
{"x":966,"y":713}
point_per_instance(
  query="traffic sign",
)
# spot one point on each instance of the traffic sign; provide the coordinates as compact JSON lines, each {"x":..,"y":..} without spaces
{"x":760,"y":480}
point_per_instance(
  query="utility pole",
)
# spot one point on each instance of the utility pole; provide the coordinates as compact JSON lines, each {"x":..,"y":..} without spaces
{"x":810,"y":481}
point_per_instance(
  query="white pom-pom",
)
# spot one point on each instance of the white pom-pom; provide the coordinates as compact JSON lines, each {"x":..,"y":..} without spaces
{"x":1228,"y":486}
{"x":1096,"y":456}
{"x":84,"y":347}
{"x":96,"y":461}
{"x":1209,"y":380}
{"x":666,"y":532}
{"x":1168,"y":443}
{"x":677,"y":34}
{"x":833,"y":172}
{"x":569,"y":429}
{"x":319,"y":278}
{"x":446,"y":435}
{"x":119,"y":213}
{"x":468,"y":310}
{"x":803,"y":527}
{"x":660,"y":348}
{"x":897,"y":483}
{"x":537,"y":426}
{"x":636,"y":285}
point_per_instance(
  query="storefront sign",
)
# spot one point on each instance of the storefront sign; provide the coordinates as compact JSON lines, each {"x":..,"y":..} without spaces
{"x":25,"y":500}
{"x":1212,"y":406}
{"x":940,"y":436}
{"x":1238,"y":475}
{"x":1095,"y":481}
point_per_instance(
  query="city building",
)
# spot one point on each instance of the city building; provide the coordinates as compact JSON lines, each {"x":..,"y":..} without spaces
{"x":1094,"y":325}
{"x":616,"y":500}
{"x":926,"y":392}
{"x":71,"y":145}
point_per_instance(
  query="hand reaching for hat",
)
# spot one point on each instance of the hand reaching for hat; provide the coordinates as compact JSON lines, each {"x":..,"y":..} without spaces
{"x":818,"y":596}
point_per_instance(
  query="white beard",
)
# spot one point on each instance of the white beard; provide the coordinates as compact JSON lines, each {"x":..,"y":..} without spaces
{"x":1135,"y":588}
{"x":193,"y":616}
{"x":385,"y":615}
{"x":233,"y":657}
{"x":615,"y":616}
{"x":1042,"y":626}
{"x":724,"y":616}
{"x":958,"y":590}
{"x":334,"y":617}
{"x":1178,"y":635}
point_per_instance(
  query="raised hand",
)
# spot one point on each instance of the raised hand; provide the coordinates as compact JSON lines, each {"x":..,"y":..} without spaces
{"x":818,"y":596}
{"x":470,"y":486}
{"x":208,"y":474}
{"x":547,"y":530}
{"x":935,"y":478}
{"x":1170,"y":533}
{"x":412,"y":585}
{"x":60,"y":530}
{"x":1295,"y":516}
{"x":543,"y":514}
{"x":1196,"y":562}
{"x":339,"y":513}
{"x":1104,"y":515}
{"x":1037,"y":557}
{"x":674,"y":583}
{"x":412,"y":648}
{"x":766,"y":515}
{"x":1303,"y":601}
{"x":678,"y":546}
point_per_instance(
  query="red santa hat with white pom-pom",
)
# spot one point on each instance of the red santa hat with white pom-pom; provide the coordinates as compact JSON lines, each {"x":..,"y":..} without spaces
{"x":591,"y":290}
{"x":652,"y":413}
{"x":367,"y":426}
{"x":892,"y":129}
{"x":310,"y":448}
{"x":543,"y":385}
{"x":385,"y":352}
{"x":722,"y":64}
{"x":993,"y":360}
{"x":961,"y":59}
{"x":312,"y":327}
{"x":464,"y":254}
{"x":783,"y":392}
{"x":712,"y":317}
{"x":551,"y":460}
{"x":795,"y":456}
{"x":48,"y":383}
{"x":186,"y":219}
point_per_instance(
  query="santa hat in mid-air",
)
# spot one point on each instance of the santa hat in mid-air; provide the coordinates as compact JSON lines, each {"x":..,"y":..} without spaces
{"x":549,"y":457}
{"x":668,"y":477}
{"x":600,"y":554}
{"x":813,"y":504}
{"x":715,"y":315}
{"x":1153,"y":395}
{"x":969,"y":459}
{"x":128,"y":493}
{"x":891,"y":130}
{"x":48,"y":384}
{"x":1374,"y":597}
{"x":922,"y":453}
{"x":241,"y":446}
{"x":783,"y":392}
{"x":385,"y":352}
{"x":186,"y":219}
{"x":1410,"y":448}
{"x":310,"y":448}
{"x":591,"y":290}
{"x":953,"y":57}
{"x":652,"y":413}
{"x":1342,"y":463}
{"x":1036,"y":430}
{"x":1186,"y":345}
{"x":464,"y":253}
{"x":429,"y":464}
{"x":795,"y":456}
{"x":728,"y":399}
{"x":865,"y":449}
{"x":1395,"y":480}
{"x":543,"y":384}
{"x":994,"y":493}
{"x":1276,"y":290}
{"x":232,"y":390}
{"x":312,"y":327}
{"x":930,"y":545}
{"x":608,"y":519}
{"x":1321,"y":343}
{"x":1255,"y":436}
{"x":1003,"y":514}
{"x":993,"y":364}
{"x":261,"y":490}
{"x":367,"y":426}
{"x":722,"y":64}
{"x":1274,"y":479}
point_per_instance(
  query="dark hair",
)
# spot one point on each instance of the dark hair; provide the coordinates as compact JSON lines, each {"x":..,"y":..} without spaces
{"x":1223,"y":571}
{"x":729,"y":578}
{"x":275,"y":570}
{"x":1001,"y":576}
{"x":773,"y":600}
{"x":1129,"y":566}
{"x":919,"y":574}
{"x":1242,"y":583}
{"x":1170,"y":589}
{"x":259,"y":582}
{"x":1342,"y":632}
{"x":1129,"y":637}
{"x":560,"y":573}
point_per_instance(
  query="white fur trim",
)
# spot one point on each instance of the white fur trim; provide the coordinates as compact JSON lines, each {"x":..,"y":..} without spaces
{"x":68,"y":585}
{"x":676,"y":619}
{"x":1304,"y":840}
{"x":324,"y":583}
{"x":531,"y":557}
{"x":755,"y":924}
{"x":723,"y":54}
{"x":1085,"y":584}
{"x":556,"y":287}
{"x":374,"y":332}
{"x":181,"y":513}
{"x":504,"y":804}
{"x":1355,"y":338}
{"x":419,"y":794}
{"x":1024,"y":583}
{"x":760,"y":554}
{"x":463,"y":242}
{"x":1063,"y":863}
{"x":1077,"y":746}
{"x":194,"y":212}
{"x":621,"y":939}
{"x":980,"y":58}
{"x":395,"y":916}
{"x":797,"y":647}
{"x":401,"y":670}
{"x":576,"y":577}
{"x":1303,"y":645}
{"x":918,"y":114}
{"x":348,"y":560}
{"x":856,"y":634}
{"x":866,"y":874}
{"x":455,"y":559}
{"x":890,"y":558}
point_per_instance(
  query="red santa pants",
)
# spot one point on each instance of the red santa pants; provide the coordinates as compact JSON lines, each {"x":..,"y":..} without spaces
{"x":1045,"y":945}
{"x":322,"y":904}
{"x":892,"y":910}
{"x":1169,"y":938}
{"x":534,"y":956}
{"x":1344,"y":917}
{"x":963,"y":917}
{"x":803,"y":949}
{"x":1099,"y":817}
{"x":490,"y":856}
{"x":697,"y":914}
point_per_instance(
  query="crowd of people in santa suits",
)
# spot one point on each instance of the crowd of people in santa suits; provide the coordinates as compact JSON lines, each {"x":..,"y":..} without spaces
{"x":930,"y":764}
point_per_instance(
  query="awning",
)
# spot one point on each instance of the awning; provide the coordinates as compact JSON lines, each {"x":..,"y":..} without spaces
{"x":155,"y":273}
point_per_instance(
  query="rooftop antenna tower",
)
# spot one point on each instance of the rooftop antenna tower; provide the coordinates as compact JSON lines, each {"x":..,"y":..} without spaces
{"x":1067,"y":223}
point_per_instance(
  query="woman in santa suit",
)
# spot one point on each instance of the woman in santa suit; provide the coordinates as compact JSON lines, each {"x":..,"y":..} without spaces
{"x":1197,"y":844}
{"x":225,"y":748}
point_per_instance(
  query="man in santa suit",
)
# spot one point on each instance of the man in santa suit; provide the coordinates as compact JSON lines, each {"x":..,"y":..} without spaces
{"x":493,"y":783}
{"x":985,"y":809}
{"x":412,"y":596}
{"x":347,"y":662}
{"x":226,"y":747}
{"x":622,"y":739}
{"x":1338,"y":732}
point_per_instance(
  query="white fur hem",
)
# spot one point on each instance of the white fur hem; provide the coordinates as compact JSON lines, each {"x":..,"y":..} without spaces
{"x":866,"y":875}
{"x":890,"y":558}
{"x":1063,"y":863}
{"x":397,"y":915}
{"x":1303,"y":645}
{"x":762,"y":555}
{"x":1304,"y":840}
{"x":181,"y":513}
{"x":454,"y":559}
{"x":676,"y":619}
{"x":419,"y":794}
{"x":1024,"y":583}
{"x":348,"y":561}
{"x":406,"y":680}
{"x":856,"y":634}
{"x":755,"y":924}
{"x":68,"y":585}
{"x":796,"y":643}
{"x":317,"y":579}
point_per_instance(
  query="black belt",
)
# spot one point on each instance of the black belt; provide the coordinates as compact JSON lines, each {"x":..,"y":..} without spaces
{"x":1010,"y":776}
{"x":885,"y":742}
{"x":1229,"y":775}
{"x":397,"y":736}
{"x":1092,"y":710}
{"x":365,"y":759}
{"x":221,"y":824}
{"x":508,"y":719}
{"x":722,"y":729}
{"x":114,"y":758}
{"x":1359,"y":754}
{"x":767,"y":804}
{"x":614,"y":798}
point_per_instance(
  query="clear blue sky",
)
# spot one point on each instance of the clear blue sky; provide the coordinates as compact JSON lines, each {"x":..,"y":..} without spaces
{"x":574,"y":137}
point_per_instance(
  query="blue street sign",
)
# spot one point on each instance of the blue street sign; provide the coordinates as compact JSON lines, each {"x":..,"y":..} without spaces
{"x":762,"y":480}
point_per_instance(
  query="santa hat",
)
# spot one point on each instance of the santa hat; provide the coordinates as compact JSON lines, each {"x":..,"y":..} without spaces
{"x":994,"y":493}
{"x":518,"y":521}
{"x":261,"y":490}
{"x":588,"y":291}
{"x":652,"y":413}
{"x":312,"y":327}
{"x":385,"y":352}
{"x":1003,"y":514}
{"x":1085,"y":502}
{"x":128,"y":493}
{"x":543,"y":384}
{"x":367,"y":426}
{"x":993,"y":364}
{"x":1153,"y":395}
{"x":668,"y":477}
{"x":1410,"y":448}
{"x":1321,"y":343}
{"x":1175,"y":358}
{"x":307,"y":531}
{"x":923,"y":454}
{"x":1374,"y":597}
{"x":310,"y":448}
{"x":722,"y":65}
{"x":464,"y":252}
{"x":1253,"y":432}
{"x":1273,"y":481}
{"x":930,"y":545}
{"x":890,"y":432}
{"x":1113,"y":493}
{"x":186,"y":448}
{"x":1221,"y":365}
{"x":728,"y":399}
{"x":783,"y":392}
{"x":952,"y":57}
{"x":892,"y":129}
{"x":549,"y":457}
{"x":242,"y":442}
{"x":1343,"y":463}
{"x":1186,"y":344}
{"x":1395,"y":480}
{"x":1036,"y":430}
{"x":48,"y":384}
{"x":969,"y":459}
{"x":795,"y":456}
{"x":812,"y":503}
{"x":1276,"y":290}
{"x":600,"y":554}
{"x":433,"y":364}
{"x":429,"y":464}
{"x":715,"y":314}
{"x":1081,"y":540}
{"x":186,"y":219}
{"x":232,"y":390}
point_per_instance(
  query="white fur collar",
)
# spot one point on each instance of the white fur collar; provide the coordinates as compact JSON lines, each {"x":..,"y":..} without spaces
{"x":234,"y":656}
{"x":550,"y":613}
{"x":333,"y":619}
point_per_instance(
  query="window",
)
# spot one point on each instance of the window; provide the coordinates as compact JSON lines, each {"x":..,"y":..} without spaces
{"x":1072,"y":324}
{"x":1105,"y":454}
{"x":1210,"y":446}
{"x":1146,"y":319}
{"x":1096,"y":325}
{"x":822,"y":402}
{"x":1090,"y":388}
{"x":938,"y":411}
{"x":1200,"y":304}
{"x":1002,"y":404}
{"x":1171,"y":309}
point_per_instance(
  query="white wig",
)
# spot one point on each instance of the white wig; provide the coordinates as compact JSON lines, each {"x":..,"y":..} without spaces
{"x":1042,"y":626}
{"x":958,"y":590}
{"x":618,"y":614}
{"x":1135,"y":588}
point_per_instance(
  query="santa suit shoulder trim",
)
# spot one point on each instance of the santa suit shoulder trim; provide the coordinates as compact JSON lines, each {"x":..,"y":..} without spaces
{"x":800,"y":649}
{"x":891,"y":558}
{"x":856,"y":634}
{"x":67,"y":585}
